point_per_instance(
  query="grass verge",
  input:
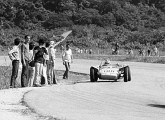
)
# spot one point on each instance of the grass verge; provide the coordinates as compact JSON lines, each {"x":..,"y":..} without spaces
{"x":5,"y":75}
{"x":147,"y":59}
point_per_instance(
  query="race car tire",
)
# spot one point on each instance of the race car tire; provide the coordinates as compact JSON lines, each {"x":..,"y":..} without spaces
{"x":126,"y":74}
{"x":129,"y":74}
{"x":93,"y":74}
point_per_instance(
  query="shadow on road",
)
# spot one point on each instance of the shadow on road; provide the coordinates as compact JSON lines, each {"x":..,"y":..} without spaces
{"x":100,"y":81}
{"x":156,"y":105}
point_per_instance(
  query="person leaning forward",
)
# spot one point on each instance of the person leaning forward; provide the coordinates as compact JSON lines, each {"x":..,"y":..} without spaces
{"x":25,"y":61}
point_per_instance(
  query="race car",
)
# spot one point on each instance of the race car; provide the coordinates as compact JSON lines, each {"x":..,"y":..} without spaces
{"x":108,"y":71}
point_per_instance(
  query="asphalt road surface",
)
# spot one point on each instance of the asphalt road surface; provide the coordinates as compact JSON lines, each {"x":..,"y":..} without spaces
{"x":141,"y":99}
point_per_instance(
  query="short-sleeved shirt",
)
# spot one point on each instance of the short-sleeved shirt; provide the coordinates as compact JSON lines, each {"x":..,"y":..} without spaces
{"x":67,"y":55}
{"x":155,"y":49}
{"x":39,"y":56}
{"x":14,"y":53}
{"x":52,"y":53}
{"x":25,"y":48}
{"x":31,"y":53}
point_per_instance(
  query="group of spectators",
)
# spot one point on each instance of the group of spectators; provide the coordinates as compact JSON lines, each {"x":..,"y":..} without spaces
{"x":149,"y":52}
{"x":38,"y":61}
{"x":144,"y":52}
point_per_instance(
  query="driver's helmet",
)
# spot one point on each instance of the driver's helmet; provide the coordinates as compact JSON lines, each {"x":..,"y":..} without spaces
{"x":107,"y":61}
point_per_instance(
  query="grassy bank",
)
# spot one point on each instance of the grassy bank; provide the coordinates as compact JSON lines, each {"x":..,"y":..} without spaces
{"x":5,"y":75}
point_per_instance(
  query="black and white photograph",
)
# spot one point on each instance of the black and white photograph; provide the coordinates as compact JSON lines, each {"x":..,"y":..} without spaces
{"x":82,"y":59}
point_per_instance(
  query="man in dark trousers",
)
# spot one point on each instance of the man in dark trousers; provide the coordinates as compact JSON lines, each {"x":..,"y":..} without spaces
{"x":15,"y":58}
{"x":25,"y":61}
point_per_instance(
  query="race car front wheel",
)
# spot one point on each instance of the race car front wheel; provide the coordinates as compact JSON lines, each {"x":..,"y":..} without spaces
{"x":129,"y":74}
{"x":126,"y":74}
{"x":93,"y":74}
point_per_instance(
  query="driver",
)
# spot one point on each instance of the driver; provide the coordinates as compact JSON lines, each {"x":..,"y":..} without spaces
{"x":107,"y":62}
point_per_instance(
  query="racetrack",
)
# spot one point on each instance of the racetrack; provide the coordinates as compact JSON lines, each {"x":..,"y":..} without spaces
{"x":141,"y":99}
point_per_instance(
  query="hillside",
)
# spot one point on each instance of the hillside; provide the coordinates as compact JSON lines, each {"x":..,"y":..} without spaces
{"x":95,"y":23}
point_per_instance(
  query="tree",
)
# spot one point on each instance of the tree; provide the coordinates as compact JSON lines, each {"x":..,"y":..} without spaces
{"x":20,"y":16}
{"x":84,"y":16}
{"x":57,"y":20}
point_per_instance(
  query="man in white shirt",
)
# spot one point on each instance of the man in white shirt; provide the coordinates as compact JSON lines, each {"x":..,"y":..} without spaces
{"x":15,"y":58}
{"x":67,"y":58}
{"x":31,"y":67}
{"x":52,"y":58}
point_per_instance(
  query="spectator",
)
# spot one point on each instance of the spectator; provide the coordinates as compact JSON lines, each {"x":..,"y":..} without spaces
{"x":67,"y":58}
{"x":78,"y":50}
{"x":156,"y":53}
{"x":46,"y":66}
{"x":52,"y":58}
{"x":81,"y":50}
{"x":142,"y":52}
{"x":15,"y":57}
{"x":39,"y":61}
{"x":117,"y":48}
{"x":149,"y":52}
{"x":90,"y":51}
{"x":25,"y":60}
{"x":31,"y":70}
{"x":131,"y":51}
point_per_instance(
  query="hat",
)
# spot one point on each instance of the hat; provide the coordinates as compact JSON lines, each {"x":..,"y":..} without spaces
{"x":107,"y":61}
{"x":51,"y":43}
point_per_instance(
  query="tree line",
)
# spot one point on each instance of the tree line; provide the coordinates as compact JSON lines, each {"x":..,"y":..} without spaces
{"x":95,"y":23}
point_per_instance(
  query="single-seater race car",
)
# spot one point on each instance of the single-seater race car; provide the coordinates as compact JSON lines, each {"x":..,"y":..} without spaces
{"x":108,"y":71}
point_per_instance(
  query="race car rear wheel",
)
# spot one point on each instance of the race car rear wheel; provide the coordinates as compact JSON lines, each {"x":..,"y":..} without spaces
{"x":129,"y":74}
{"x":93,"y":74}
{"x":126,"y":74}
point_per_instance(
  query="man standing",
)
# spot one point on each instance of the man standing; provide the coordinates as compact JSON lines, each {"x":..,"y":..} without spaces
{"x":40,"y":51}
{"x":15,"y":57}
{"x":156,"y":52}
{"x":45,"y":71}
{"x":25,"y":61}
{"x":67,"y":58}
{"x":31,"y":69}
{"x":52,"y":58}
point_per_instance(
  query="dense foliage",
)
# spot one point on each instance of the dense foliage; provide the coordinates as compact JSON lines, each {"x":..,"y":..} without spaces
{"x":95,"y":23}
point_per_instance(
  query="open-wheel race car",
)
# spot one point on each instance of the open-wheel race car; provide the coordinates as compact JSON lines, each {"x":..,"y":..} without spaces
{"x":108,"y":71}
